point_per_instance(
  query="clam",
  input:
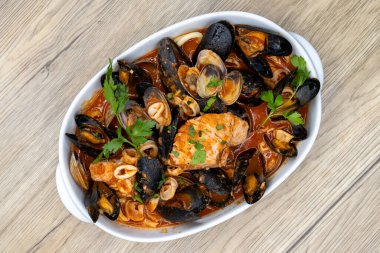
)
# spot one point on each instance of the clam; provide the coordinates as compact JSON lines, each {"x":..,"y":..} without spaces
{"x":188,"y":77}
{"x":157,"y":106}
{"x":132,"y":112}
{"x":208,"y":57}
{"x":231,"y":88}
{"x":209,"y":72}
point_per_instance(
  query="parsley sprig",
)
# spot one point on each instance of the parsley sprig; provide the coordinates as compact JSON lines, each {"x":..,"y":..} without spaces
{"x":214,"y":82}
{"x":301,"y":74}
{"x":200,"y":154}
{"x":274,"y":104}
{"x":209,"y":103}
{"x":117,"y":96}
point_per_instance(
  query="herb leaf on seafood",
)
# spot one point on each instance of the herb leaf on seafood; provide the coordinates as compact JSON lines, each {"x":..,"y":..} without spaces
{"x":214,"y":82}
{"x":210,"y":102}
{"x":302,"y":73}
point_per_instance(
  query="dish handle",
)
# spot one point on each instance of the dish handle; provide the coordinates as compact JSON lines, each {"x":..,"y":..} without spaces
{"x":66,"y":199}
{"x":310,"y":50}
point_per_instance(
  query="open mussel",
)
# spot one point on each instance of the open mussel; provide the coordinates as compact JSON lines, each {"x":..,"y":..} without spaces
{"x":157,"y":106}
{"x":170,"y":57}
{"x":115,"y":78}
{"x":219,"y":37}
{"x":129,"y":72}
{"x":218,"y":185}
{"x":148,"y":177}
{"x":167,"y":135}
{"x":185,"y":205}
{"x":282,"y":143}
{"x":251,"y":89}
{"x":80,"y":172}
{"x":253,"y":44}
{"x":102,"y":199}
{"x":254,"y":186}
{"x":241,"y":165}
{"x":299,"y":132}
{"x":83,"y":146}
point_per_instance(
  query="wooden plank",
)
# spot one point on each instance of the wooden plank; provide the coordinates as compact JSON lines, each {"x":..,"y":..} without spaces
{"x":49,"y":50}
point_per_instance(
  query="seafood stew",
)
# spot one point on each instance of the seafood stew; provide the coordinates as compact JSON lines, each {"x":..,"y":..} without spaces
{"x":190,"y":127}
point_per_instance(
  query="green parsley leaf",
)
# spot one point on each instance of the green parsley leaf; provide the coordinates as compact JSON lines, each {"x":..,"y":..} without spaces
{"x":294,"y":117}
{"x":214,"y":82}
{"x":279,"y":101}
{"x":137,"y":188}
{"x":138,"y":199}
{"x":155,"y":195}
{"x":219,"y":127}
{"x":200,"y":133}
{"x":209,"y":103}
{"x":267,"y":96}
{"x":162,"y":181}
{"x":198,"y":157}
{"x":223,"y":142}
{"x":191,"y":131}
{"x":112,"y":146}
{"x":189,"y":102}
{"x":302,"y":73}
{"x":175,"y":153}
{"x":140,"y":130}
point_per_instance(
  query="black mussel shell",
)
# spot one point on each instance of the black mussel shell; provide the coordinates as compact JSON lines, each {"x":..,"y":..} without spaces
{"x":185,"y":205}
{"x":115,"y":77}
{"x":218,"y":185}
{"x":219,"y":38}
{"x":217,"y":107}
{"x":308,"y":91}
{"x":254,"y":186}
{"x":277,"y":45}
{"x":237,"y":110}
{"x":287,"y":80}
{"x":261,"y":66}
{"x":84,"y":147}
{"x":241,"y":165}
{"x":141,"y":87}
{"x":170,"y":57}
{"x":253,"y":84}
{"x":91,"y":202}
{"x":129,"y":71}
{"x":284,"y":148}
{"x":168,"y":134}
{"x":148,"y":177}
{"x":299,"y":132}
{"x":83,"y":121}
{"x":98,"y":194}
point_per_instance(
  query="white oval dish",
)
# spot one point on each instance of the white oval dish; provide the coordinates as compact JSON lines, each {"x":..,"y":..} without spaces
{"x":72,"y":195}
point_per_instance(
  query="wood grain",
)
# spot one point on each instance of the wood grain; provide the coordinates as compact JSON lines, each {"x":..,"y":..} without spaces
{"x":50,"y":49}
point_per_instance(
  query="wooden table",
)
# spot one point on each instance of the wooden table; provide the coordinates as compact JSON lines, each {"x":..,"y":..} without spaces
{"x":50,"y":49}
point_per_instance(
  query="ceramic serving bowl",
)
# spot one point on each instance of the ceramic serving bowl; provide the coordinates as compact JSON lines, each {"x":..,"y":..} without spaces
{"x":72,"y":196}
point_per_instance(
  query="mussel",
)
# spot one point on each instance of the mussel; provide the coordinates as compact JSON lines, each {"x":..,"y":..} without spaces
{"x":157,"y":106}
{"x":307,"y":91}
{"x":282,"y":143}
{"x":83,"y":146}
{"x":167,"y":135}
{"x":141,"y":87}
{"x":216,"y":107}
{"x":148,"y":177}
{"x":253,"y":44}
{"x":299,"y":132}
{"x":115,"y":78}
{"x":185,"y":205}
{"x":241,"y":165}
{"x":254,"y":185}
{"x":231,"y":87}
{"x":129,"y":72}
{"x":217,"y":184}
{"x":170,"y":57}
{"x":80,"y":172}
{"x":101,"y":198}
{"x":219,"y":37}
{"x":253,"y":84}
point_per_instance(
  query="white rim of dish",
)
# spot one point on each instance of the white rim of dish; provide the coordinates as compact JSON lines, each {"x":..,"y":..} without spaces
{"x":229,"y":15}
